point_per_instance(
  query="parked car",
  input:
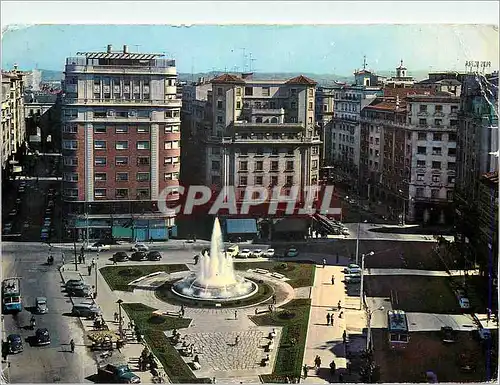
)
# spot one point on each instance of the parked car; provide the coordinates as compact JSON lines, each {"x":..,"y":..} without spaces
{"x":120,"y":256}
{"x":245,"y":253}
{"x":353,"y":278}
{"x":270,"y":253}
{"x":12,"y":213}
{"x":139,"y":256}
{"x":79,"y":291}
{"x":15,"y":343}
{"x":42,"y":336}
{"x":257,"y":253}
{"x":292,"y":252}
{"x":352,"y":268}
{"x":345,"y":231}
{"x":139,"y":247}
{"x":41,"y":305}
{"x":98,"y":246}
{"x":448,"y":334}
{"x":117,"y":374}
{"x":7,"y":228}
{"x":85,"y":310}
{"x":233,"y":250}
{"x":73,"y":282}
{"x":154,"y":256}
{"x":464,"y":303}
{"x":484,"y":334}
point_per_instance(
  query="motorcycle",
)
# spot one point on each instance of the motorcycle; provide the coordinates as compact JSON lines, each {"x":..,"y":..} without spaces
{"x":50,"y":260}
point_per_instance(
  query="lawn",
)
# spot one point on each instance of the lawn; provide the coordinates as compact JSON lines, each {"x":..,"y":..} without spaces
{"x":426,"y":352}
{"x":293,"y":317}
{"x":299,"y":275}
{"x":152,"y":328}
{"x":118,"y":277}
{"x":414,"y":293}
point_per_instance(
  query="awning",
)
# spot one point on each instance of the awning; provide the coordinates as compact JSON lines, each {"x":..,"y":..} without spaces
{"x":292,"y":225}
{"x":241,"y":226}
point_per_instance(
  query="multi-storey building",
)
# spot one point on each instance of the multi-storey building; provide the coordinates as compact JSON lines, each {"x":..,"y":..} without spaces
{"x":401,"y":80}
{"x":409,"y":154}
{"x":477,"y":150}
{"x":263,"y":133}
{"x":13,"y":126}
{"x":121,"y":134}
{"x":33,"y":80}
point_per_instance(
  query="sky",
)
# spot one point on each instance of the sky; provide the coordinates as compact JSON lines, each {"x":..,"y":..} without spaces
{"x":309,"y":49}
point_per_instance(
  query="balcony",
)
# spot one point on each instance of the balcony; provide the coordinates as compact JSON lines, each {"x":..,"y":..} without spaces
{"x":438,"y":114}
{"x":244,"y":124}
{"x":120,"y":102}
{"x":84,"y":65}
{"x":268,"y":140}
{"x":265,"y":111}
{"x":422,"y":113}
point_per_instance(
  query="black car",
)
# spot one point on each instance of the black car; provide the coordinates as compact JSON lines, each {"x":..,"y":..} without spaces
{"x":15,"y":343}
{"x":448,"y":334}
{"x":154,"y":256}
{"x":120,"y":256}
{"x":81,"y":291}
{"x":139,"y":256}
{"x":42,"y":336}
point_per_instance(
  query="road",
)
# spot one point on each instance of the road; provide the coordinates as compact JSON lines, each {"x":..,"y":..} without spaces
{"x":53,"y":363}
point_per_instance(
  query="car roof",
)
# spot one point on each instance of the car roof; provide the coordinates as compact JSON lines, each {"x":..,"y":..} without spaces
{"x":42,"y":331}
{"x":14,"y":337}
{"x":41,"y":299}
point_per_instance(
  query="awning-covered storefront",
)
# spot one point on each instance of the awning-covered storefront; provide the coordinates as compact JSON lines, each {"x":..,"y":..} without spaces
{"x":241,"y":226}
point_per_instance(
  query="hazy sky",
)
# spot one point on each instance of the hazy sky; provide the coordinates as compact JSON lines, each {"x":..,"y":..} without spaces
{"x":310,"y":49}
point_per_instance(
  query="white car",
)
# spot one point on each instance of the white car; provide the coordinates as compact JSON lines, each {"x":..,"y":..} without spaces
{"x":245,"y":253}
{"x":464,"y":303}
{"x":98,"y":246}
{"x":270,"y":253}
{"x":257,"y":253}
{"x":139,"y":247}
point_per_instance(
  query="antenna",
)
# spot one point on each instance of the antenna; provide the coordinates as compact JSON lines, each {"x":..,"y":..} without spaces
{"x":137,"y":47}
{"x":251,"y":62}
{"x":244,"y":59}
{"x":364,"y":62}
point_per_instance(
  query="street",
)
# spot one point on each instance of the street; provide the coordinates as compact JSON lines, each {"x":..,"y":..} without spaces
{"x":55,"y":362}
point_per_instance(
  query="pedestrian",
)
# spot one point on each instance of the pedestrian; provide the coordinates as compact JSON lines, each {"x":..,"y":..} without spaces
{"x":79,"y":259}
{"x":114,"y":261}
{"x":213,"y":380}
{"x":341,"y":314}
{"x":115,"y":316}
{"x":62,"y":258}
{"x":274,"y":299}
{"x":328,"y":318}
{"x":324,"y":263}
{"x":89,"y":268}
{"x":83,"y":258}
{"x":305,"y":369}
{"x":332,"y":320}
{"x":344,"y":337}
{"x":93,"y":262}
{"x":236,"y":314}
{"x":337,"y":258}
{"x":317,"y":363}
{"x":237,"y":341}
{"x":339,"y":306}
{"x":348,"y":366}
{"x":72,"y":345}
{"x":333,"y":368}
{"x":488,"y":314}
{"x":333,"y":280}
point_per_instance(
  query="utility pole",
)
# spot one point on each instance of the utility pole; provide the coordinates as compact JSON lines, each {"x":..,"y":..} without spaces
{"x":74,"y":248}
{"x":120,"y":323}
{"x":96,"y":262}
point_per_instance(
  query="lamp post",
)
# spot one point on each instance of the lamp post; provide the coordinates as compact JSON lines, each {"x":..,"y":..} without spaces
{"x":120,"y":325}
{"x":97,"y":260}
{"x":362,"y":276}
{"x":369,"y":335}
{"x":404,"y":209}
{"x":74,"y":248}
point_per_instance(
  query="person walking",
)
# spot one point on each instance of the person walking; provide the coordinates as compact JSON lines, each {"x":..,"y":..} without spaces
{"x":72,"y":346}
{"x":236,"y":314}
{"x":339,"y":306}
{"x":63,"y":259}
{"x":93,"y":262}
{"x":324,"y":263}
{"x":305,"y":369}
{"x":332,"y":319}
{"x":237,"y":340}
{"x":115,"y":316}
{"x":328,"y":318}
{"x":317,"y":363}
{"x":333,"y":368}
{"x":333,"y":280}
{"x":89,"y":268}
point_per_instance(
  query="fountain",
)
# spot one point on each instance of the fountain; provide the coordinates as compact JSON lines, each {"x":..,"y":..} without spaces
{"x":215,"y":280}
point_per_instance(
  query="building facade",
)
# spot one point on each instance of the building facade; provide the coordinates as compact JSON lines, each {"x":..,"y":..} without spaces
{"x":13,"y":125}
{"x":120,"y":143}
{"x":401,"y":80}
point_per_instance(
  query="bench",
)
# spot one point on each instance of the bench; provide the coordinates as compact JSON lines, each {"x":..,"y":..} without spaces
{"x":196,"y":365}
{"x":261,"y":271}
{"x":277,"y":275}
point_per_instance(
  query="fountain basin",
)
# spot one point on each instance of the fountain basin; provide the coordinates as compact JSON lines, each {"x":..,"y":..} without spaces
{"x":191,"y":288}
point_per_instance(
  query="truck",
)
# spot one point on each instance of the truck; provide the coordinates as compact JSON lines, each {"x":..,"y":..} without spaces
{"x":117,"y":374}
{"x":11,"y":295}
{"x":233,"y":251}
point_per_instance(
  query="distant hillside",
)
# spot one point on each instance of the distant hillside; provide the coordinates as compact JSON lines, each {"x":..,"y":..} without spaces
{"x":51,"y":75}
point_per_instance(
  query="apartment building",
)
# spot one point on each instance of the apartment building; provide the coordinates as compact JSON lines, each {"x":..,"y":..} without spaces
{"x":402,"y":79}
{"x":120,"y":143}
{"x":263,"y":133}
{"x":477,"y":155}
{"x":13,"y":126}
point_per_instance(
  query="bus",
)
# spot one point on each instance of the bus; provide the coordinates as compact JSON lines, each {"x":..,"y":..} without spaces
{"x":397,"y":327}
{"x":11,"y":295}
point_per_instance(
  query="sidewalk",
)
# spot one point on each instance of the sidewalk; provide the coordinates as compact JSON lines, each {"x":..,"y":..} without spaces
{"x":324,"y":340}
{"x":106,"y":300}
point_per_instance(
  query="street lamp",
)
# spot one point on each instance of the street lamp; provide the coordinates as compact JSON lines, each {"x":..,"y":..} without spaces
{"x":120,"y":325}
{"x":362,"y":276}
{"x":97,"y":259}
{"x":369,"y":335}
{"x":404,"y":209}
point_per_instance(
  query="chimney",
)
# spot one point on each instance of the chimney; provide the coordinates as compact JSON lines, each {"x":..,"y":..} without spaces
{"x":110,"y":47}
{"x":125,"y":48}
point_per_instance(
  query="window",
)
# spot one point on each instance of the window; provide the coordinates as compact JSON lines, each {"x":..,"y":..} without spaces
{"x":453,"y":123}
{"x":171,"y":145}
{"x":289,"y":180}
{"x":265,"y":91}
{"x":219,"y":104}
{"x":122,"y":176}
{"x":121,"y":160}
{"x":420,"y":192}
{"x":71,"y":113}
{"x":377,"y":141}
{"x":70,"y":144}
{"x":259,"y":165}
{"x":121,"y":193}
{"x":71,"y":192}
{"x":143,"y":176}
{"x":171,"y":160}
{"x":220,"y":91}
{"x":238,"y":91}
{"x":121,"y":130}
{"x":452,"y":152}
{"x":275,"y":152}
{"x":452,"y":166}
{"x":121,"y":145}
{"x":171,"y":129}
{"x":452,"y":137}
{"x":100,"y":177}
{"x":100,"y":114}
{"x":70,"y":177}
{"x":99,"y":129}
{"x":259,"y":180}
{"x":435,"y":193}
{"x":437,"y":137}
{"x":422,"y":108}
{"x":145,"y":114}
{"x":314,"y":164}
{"x":451,"y":179}
{"x":315,"y":151}
{"x":420,"y":163}
{"x":215,"y":150}
{"x":436,"y":178}
{"x":219,"y":119}
{"x":437,"y":122}
{"x":454,"y":109}
{"x":142,"y":193}
{"x":70,"y":129}
{"x":100,"y":161}
{"x":100,"y":145}
{"x":293,"y":105}
{"x":449,"y":195}
{"x":422,"y":122}
{"x":248,"y":91}
{"x":311,"y":92}
{"x":70,"y":161}
{"x":420,"y":177}
{"x":293,"y":91}
{"x":436,"y":150}
{"x":215,"y":165}
{"x":243,"y":180}
{"x":238,"y":105}
{"x":310,"y":106}
{"x":436,"y":165}
{"x":289,"y":165}
{"x":100,"y":193}
{"x":142,"y":129}
{"x":144,"y":145}
{"x":274,"y":165}
{"x":421,"y":150}
{"x":438,"y":108}
{"x":171,"y":176}
{"x":244,"y":166}
{"x":274,"y":180}
{"x":143,"y":160}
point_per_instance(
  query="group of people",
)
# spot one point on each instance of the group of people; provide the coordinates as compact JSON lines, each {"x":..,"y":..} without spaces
{"x":147,"y":359}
